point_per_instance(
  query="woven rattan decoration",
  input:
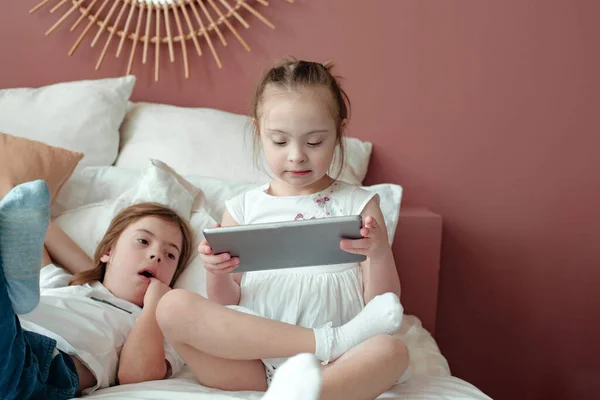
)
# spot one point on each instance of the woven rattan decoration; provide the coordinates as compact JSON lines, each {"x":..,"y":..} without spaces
{"x":145,"y":23}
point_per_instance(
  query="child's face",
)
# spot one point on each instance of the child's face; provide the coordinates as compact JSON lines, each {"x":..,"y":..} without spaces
{"x":298,"y":135}
{"x":149,"y":246}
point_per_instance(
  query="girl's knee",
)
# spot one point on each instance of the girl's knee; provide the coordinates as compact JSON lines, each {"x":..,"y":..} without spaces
{"x":172,"y":308}
{"x":393,"y":352}
{"x":390,"y":347}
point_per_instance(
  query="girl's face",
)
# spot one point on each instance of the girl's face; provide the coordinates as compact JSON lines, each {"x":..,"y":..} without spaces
{"x":298,"y":137}
{"x":150,"y":247}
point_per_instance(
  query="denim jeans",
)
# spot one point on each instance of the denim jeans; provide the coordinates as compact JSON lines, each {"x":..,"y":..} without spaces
{"x":29,"y":365}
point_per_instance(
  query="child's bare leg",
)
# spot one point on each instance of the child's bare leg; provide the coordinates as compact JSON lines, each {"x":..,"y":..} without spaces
{"x":366,"y":371}
{"x":219,"y":373}
{"x":299,"y":378}
{"x":206,"y":333}
{"x":188,"y":318}
{"x":219,"y":344}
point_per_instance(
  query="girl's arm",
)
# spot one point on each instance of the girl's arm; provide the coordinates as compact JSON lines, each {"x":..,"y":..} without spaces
{"x":379,"y":269}
{"x":65,"y":252}
{"x":143,"y":355}
{"x":224,"y":288}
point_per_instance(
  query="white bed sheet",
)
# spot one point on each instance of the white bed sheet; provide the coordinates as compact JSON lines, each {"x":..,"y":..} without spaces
{"x":430,"y":379}
{"x":432,"y":388}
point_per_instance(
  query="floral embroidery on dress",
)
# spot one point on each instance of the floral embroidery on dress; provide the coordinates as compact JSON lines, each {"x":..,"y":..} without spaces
{"x":325,"y":197}
{"x":300,"y":217}
{"x":323,"y":201}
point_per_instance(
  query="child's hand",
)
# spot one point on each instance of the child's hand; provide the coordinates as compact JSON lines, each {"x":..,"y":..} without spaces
{"x":374,"y":239}
{"x":218,"y":264}
{"x":156,"y":290}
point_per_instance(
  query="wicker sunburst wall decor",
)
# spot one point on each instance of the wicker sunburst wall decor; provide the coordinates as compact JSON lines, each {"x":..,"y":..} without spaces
{"x":158,"y":23}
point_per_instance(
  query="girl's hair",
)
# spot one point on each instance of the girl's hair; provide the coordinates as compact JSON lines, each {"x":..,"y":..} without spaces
{"x":120,"y":222}
{"x":296,"y":74}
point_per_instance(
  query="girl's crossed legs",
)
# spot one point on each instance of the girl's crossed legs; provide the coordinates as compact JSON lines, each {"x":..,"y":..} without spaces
{"x":224,"y":347}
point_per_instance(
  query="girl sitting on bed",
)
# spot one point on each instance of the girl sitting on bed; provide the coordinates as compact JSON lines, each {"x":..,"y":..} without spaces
{"x":344,"y":314}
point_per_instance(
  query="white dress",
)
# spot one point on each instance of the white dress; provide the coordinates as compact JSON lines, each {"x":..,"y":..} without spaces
{"x":309,"y":296}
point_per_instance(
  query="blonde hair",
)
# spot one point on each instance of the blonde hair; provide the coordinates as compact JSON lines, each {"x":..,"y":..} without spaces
{"x":119,"y":223}
{"x":294,"y":74}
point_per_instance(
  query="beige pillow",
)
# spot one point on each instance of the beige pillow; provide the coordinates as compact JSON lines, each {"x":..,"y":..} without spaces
{"x":23,"y":160}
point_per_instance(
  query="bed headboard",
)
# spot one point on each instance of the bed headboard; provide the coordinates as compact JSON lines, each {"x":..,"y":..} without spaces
{"x":417,"y":248}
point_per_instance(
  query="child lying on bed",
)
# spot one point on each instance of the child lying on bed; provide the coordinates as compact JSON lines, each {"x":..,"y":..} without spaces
{"x":344,"y":314}
{"x":89,"y":322}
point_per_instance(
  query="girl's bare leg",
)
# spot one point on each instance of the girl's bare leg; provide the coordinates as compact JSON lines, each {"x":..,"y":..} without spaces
{"x":365,"y":371}
{"x":223,"y":348}
{"x":210,"y":328}
{"x":223,"y":374}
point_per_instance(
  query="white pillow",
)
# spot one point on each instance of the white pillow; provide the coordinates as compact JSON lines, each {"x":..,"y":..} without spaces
{"x":208,"y":142}
{"x":86,"y":223}
{"x":160,"y":184}
{"x":89,"y":185}
{"x":81,"y":116}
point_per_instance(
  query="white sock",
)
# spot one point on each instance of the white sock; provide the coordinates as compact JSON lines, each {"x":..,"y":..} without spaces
{"x":382,"y":316}
{"x":299,"y":378}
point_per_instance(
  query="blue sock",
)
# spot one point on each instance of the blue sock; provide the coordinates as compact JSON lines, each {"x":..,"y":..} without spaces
{"x":24,"y":219}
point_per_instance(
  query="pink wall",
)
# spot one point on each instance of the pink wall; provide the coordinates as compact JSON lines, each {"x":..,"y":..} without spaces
{"x":484,"y":111}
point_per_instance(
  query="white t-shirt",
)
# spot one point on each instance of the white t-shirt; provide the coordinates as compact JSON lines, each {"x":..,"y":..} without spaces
{"x":87,"y":321}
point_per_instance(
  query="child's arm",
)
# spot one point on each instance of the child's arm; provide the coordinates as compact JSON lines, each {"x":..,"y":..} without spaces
{"x":379,"y":269}
{"x":65,"y":252}
{"x":223,"y":287}
{"x":143,"y":354}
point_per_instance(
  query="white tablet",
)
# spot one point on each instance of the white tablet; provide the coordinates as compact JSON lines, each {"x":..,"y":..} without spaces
{"x":291,"y":244}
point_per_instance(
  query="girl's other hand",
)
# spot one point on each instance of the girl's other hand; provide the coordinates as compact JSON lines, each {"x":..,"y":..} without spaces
{"x":373,"y":239}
